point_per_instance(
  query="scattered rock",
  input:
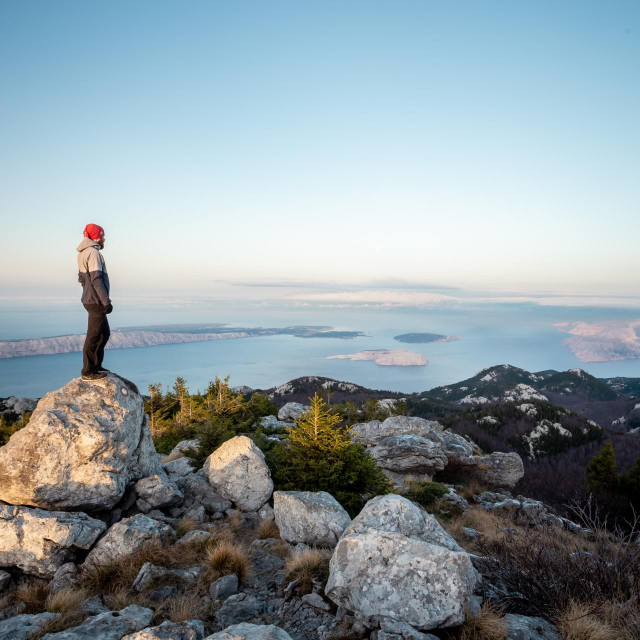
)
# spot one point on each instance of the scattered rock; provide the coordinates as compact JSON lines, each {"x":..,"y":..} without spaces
{"x":291,"y":411}
{"x":266,"y":512}
{"x":178,"y":468}
{"x":189,"y":630}
{"x":499,"y":469}
{"x":184,"y":446}
{"x":238,"y":608}
{"x":314,"y":518}
{"x":39,"y":542}
{"x":150,"y":573}
{"x":84,"y":443}
{"x":529,"y":628}
{"x":271,"y":422}
{"x":395,"y":563}
{"x":247,"y":631}
{"x":265,"y":561}
{"x":238,"y":472}
{"x":20,"y":405}
{"x":194,"y":536}
{"x":224,"y":587}
{"x":64,"y":578}
{"x":316,"y":600}
{"x":126,"y":537}
{"x":24,"y":626}
{"x":157,"y":491}
{"x":371,"y":433}
{"x":107,"y":626}
{"x":402,"y":630}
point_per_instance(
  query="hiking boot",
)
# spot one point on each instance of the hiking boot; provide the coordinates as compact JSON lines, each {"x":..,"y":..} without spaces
{"x":92,"y":377}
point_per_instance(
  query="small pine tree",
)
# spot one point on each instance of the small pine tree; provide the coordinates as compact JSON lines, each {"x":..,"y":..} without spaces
{"x":630,"y":482}
{"x":320,"y":456}
{"x":602,"y":472}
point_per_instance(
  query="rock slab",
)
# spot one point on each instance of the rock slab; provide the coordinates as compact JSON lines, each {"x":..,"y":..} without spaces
{"x":246,"y":631}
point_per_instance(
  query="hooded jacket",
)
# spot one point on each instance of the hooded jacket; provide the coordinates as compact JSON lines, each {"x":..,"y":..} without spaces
{"x":92,"y":273}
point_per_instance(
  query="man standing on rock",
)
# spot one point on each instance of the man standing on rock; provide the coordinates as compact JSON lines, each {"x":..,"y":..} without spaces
{"x":92,"y":275}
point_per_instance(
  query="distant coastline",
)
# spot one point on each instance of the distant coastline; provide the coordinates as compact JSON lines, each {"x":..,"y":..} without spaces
{"x":386,"y":357}
{"x":421,"y":338}
{"x":151,"y":336}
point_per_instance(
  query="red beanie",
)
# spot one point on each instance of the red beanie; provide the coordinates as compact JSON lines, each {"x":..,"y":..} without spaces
{"x":93,"y":231}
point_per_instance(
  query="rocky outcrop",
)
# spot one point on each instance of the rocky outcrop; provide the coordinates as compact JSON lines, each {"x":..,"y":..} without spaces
{"x":313,"y":518}
{"x":84,"y":443}
{"x":150,"y":573}
{"x":246,"y":631}
{"x":409,"y":449}
{"x":126,"y":537}
{"x":529,"y":628}
{"x":238,"y":472}
{"x":198,"y":492}
{"x":19,"y":405}
{"x":291,"y":411}
{"x":395,"y":563}
{"x":157,"y":491}
{"x":25,"y":626}
{"x":39,"y":542}
{"x":111,"y":625}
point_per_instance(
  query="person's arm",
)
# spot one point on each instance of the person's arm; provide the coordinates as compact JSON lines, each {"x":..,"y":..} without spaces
{"x":94,"y":271}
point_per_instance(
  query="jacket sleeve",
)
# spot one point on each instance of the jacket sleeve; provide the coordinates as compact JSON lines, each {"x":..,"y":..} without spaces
{"x":95,"y":273}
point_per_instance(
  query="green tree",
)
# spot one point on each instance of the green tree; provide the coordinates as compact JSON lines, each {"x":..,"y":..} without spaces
{"x":320,"y":456}
{"x":630,"y":482}
{"x":602,"y":472}
{"x":221,"y":399}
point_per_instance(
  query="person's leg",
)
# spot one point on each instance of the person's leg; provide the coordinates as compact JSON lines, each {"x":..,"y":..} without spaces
{"x":105,"y":332}
{"x":92,"y":341}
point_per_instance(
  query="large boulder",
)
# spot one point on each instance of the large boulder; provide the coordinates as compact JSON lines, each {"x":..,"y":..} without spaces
{"x":199,"y":492}
{"x":39,"y":542}
{"x":409,"y":457}
{"x":110,"y":625}
{"x":157,"y":491}
{"x":246,"y":631}
{"x":370,"y":433}
{"x":395,"y":563}
{"x":126,"y":537}
{"x":25,"y":626}
{"x":499,"y":469}
{"x":238,"y":472}
{"x":291,"y":411}
{"x":84,"y":443}
{"x":314,"y":518}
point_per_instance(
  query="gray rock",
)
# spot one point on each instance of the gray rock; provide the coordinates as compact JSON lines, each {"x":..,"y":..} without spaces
{"x":499,"y":469}
{"x":158,"y":491}
{"x":162,"y":593}
{"x":5,"y":579}
{"x":454,"y":501}
{"x":39,"y":542}
{"x":314,"y":518}
{"x":64,"y":578}
{"x":316,"y":600}
{"x":248,"y":631}
{"x":24,"y":626}
{"x":84,"y":444}
{"x":526,"y":628}
{"x":95,"y":606}
{"x":265,"y":561}
{"x":224,"y":587}
{"x":371,"y":433}
{"x":20,"y":405}
{"x":403,"y":630}
{"x":194,"y":536}
{"x":197,"y":513}
{"x":107,"y":626}
{"x":238,"y":608}
{"x":409,"y":454}
{"x":458,"y":449}
{"x":266,"y":512}
{"x":395,"y":563}
{"x":178,"y":468}
{"x":291,"y":411}
{"x":189,"y":630}
{"x":198,"y":491}
{"x":183,"y":446}
{"x":238,"y":472}
{"x":150,"y":573}
{"x":127,"y":537}
{"x":271,"y":422}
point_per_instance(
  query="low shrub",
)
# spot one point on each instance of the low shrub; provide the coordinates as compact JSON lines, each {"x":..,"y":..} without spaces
{"x":426,"y":493}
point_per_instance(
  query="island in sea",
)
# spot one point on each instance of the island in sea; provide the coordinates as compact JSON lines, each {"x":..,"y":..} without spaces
{"x":150,"y":336}
{"x":386,"y":357}
{"x":416,"y":338}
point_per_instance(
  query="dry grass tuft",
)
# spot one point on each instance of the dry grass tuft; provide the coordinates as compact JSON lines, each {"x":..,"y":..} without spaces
{"x":308,"y":567}
{"x":182,"y":608}
{"x":624,"y":616}
{"x":267,"y":529}
{"x":66,"y":600}
{"x":235,"y":521}
{"x":580,"y":622}
{"x":34,"y":594}
{"x":487,"y":522}
{"x":489,"y":624}
{"x":226,"y":558}
{"x":185,"y":525}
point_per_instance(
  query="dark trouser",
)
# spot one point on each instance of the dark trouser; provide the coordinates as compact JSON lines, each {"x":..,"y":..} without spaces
{"x":97,"y":337}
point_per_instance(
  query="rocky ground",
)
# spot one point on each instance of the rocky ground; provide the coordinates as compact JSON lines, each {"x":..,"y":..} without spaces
{"x":101,"y":538}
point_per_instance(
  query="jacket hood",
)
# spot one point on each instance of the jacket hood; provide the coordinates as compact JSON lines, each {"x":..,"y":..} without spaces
{"x":86,"y":243}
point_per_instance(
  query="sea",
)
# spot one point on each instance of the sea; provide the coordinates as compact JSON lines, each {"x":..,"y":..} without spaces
{"x":520,"y":334}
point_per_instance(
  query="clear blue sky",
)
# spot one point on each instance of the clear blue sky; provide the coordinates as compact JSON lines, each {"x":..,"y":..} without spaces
{"x":491,"y":144}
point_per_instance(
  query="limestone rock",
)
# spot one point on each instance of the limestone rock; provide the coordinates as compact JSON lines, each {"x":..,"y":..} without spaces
{"x":24,"y":626}
{"x":199,"y":492}
{"x":499,"y":469}
{"x":238,"y":472}
{"x":183,"y":446}
{"x":39,"y":542}
{"x":238,"y":608}
{"x":84,"y":443}
{"x":271,"y":422}
{"x":64,"y":578}
{"x":314,"y":518}
{"x":194,"y":536}
{"x":189,"y":630}
{"x":370,"y":433}
{"x":246,"y":631}
{"x":224,"y":587}
{"x":409,"y":455}
{"x":395,"y":563}
{"x":5,"y":580}
{"x":529,"y":628}
{"x":157,"y":491}
{"x":178,"y":468}
{"x":111,"y":625}
{"x":291,"y":411}
{"x":149,"y":573}
{"x":20,"y":405}
{"x":126,"y":537}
